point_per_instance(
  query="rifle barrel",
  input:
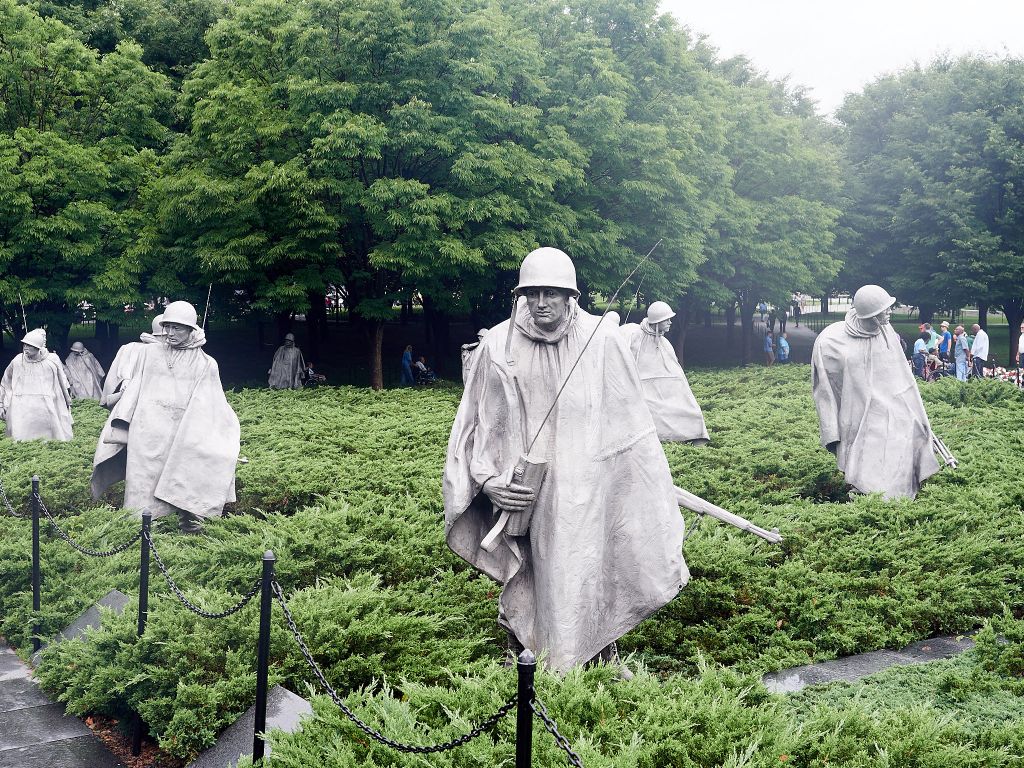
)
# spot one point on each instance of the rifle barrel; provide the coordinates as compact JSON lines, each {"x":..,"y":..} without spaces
{"x":701,"y":506}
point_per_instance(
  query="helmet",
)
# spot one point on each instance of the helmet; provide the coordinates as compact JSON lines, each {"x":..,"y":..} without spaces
{"x":870,"y":300}
{"x":180,"y":312}
{"x":289,"y":337}
{"x":481,"y":333}
{"x":658,"y":312}
{"x":158,"y":328}
{"x":548,"y":267}
{"x":36,"y":338}
{"x":78,"y":347}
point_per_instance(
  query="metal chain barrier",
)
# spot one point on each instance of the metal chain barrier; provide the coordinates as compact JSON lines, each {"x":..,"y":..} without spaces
{"x":7,"y":502}
{"x":188,"y":603}
{"x":85,"y":550}
{"x":542,"y":712}
{"x":483,"y":727}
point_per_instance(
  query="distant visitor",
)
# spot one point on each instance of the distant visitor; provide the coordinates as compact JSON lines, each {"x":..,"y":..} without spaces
{"x":677,"y":416}
{"x":84,"y":373}
{"x":171,"y":436}
{"x":869,"y":407}
{"x":288,"y":369}
{"x":35,"y":400}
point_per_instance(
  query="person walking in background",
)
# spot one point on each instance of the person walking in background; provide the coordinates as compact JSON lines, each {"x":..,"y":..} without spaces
{"x":960,"y":352}
{"x":946,"y":342}
{"x":979,"y":351}
{"x":798,"y":309}
{"x":762,"y":308}
{"x":783,"y":348}
{"x":772,"y":314}
{"x":769,"y":349}
{"x":407,"y":379}
{"x":933,"y":337}
{"x":783,"y":317}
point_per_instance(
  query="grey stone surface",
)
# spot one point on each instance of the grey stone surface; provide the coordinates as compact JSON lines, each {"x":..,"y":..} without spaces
{"x":285,"y":711}
{"x":114,"y":600}
{"x":17,"y":689}
{"x":80,"y":752}
{"x":853,"y":668}
{"x":38,"y":725}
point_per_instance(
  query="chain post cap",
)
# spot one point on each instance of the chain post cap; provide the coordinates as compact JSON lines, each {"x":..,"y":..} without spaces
{"x":180,"y":312}
{"x":659,"y":312}
{"x":527,"y":657}
{"x":547,"y":268}
{"x":870,"y":300}
{"x":269,"y":556}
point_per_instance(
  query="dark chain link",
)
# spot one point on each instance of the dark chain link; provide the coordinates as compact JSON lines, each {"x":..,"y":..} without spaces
{"x":85,"y":550}
{"x":188,"y":603}
{"x":7,"y":502}
{"x":542,"y":712}
{"x":483,"y":727}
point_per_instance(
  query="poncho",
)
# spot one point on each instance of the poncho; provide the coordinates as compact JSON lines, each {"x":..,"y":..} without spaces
{"x":467,"y":359}
{"x":125,"y":363}
{"x":85,"y":374}
{"x":34,"y":395}
{"x":287,"y":368}
{"x":604,"y":549}
{"x":868,"y":402}
{"x":172,"y":437}
{"x":667,"y":392}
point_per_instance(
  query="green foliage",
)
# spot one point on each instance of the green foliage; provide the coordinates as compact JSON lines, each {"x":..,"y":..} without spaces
{"x":343,"y":485}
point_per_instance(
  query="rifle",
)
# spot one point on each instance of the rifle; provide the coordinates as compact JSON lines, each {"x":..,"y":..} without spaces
{"x":701,"y":506}
{"x":940,"y":448}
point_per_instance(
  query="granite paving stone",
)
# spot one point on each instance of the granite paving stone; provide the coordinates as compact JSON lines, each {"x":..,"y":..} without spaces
{"x":80,"y":752}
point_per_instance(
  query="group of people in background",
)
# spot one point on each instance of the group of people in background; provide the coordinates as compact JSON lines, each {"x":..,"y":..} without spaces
{"x":415,"y":372}
{"x":950,"y":352}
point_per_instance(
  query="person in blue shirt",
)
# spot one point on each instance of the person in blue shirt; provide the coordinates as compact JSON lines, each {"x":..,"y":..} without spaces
{"x":769,"y":349}
{"x":920,"y":354}
{"x":961,"y":351}
{"x":783,"y":349}
{"x":946,"y":342}
{"x":407,"y":379}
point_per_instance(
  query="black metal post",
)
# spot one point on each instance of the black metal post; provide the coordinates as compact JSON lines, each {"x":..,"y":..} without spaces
{"x":263,"y":658}
{"x":526,"y":667}
{"x":147,"y":520}
{"x":36,"y":602}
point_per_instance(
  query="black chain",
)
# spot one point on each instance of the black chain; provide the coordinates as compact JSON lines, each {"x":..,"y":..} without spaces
{"x":7,"y":501}
{"x":85,"y":550}
{"x":189,"y":604}
{"x":483,"y":727}
{"x":542,"y":712}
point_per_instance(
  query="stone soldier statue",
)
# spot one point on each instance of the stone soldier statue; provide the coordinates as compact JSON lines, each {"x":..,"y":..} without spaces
{"x":869,"y":407}
{"x":676,"y":413}
{"x":288,"y":368}
{"x":467,"y":354}
{"x":84,"y":373}
{"x":125,"y":361}
{"x":603,"y":548}
{"x":35,"y":400}
{"x":171,"y":436}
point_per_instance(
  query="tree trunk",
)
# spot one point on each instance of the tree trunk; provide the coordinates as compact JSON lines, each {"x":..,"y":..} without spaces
{"x":707,"y":318}
{"x":925,"y":313}
{"x":824,"y":304}
{"x":679,"y":326}
{"x":730,"y":321}
{"x":983,"y":315}
{"x":1014,"y":311}
{"x":747,"y":325}
{"x":428,"y":321}
{"x":440,"y":342}
{"x":376,"y":328}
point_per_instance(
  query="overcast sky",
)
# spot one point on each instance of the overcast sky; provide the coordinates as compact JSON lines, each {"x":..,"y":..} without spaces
{"x":834,"y":47}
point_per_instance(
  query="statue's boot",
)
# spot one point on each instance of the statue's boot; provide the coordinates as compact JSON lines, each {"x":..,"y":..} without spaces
{"x":189,"y":523}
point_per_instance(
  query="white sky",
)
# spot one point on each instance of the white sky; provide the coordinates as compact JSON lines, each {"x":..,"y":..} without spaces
{"x":834,"y":47}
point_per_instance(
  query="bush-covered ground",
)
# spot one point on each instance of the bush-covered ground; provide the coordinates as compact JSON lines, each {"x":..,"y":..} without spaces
{"x":344,"y":486}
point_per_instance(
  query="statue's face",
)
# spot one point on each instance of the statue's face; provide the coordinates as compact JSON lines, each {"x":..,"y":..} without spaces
{"x":547,"y":306}
{"x":31,"y":353}
{"x":177,"y":334}
{"x":663,"y":327}
{"x":882,"y":318}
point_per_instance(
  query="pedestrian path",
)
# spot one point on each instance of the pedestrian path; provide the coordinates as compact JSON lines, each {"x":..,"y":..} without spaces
{"x":35,"y":732}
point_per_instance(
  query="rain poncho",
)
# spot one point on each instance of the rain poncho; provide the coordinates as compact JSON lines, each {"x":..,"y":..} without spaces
{"x":676,"y":413}
{"x":604,"y":549}
{"x":125,"y":362}
{"x":868,"y":402}
{"x":172,"y":437}
{"x":287,"y":369}
{"x":85,"y":374}
{"x":34,"y":399}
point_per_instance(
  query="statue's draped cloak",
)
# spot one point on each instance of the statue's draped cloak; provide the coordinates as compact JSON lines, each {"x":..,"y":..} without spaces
{"x":868,"y":402}
{"x":125,"y":362}
{"x":85,"y":374}
{"x":677,"y":415}
{"x":604,"y":549}
{"x":467,"y":359}
{"x":172,"y":436}
{"x":34,"y":394}
{"x":287,"y":368}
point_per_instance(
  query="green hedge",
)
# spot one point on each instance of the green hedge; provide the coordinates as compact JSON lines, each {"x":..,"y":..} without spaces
{"x":344,"y":486}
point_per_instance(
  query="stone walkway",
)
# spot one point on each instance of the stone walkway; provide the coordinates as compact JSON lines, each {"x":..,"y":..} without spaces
{"x":36,"y":733}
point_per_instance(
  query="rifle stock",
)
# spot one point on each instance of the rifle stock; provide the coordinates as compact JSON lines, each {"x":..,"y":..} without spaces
{"x":701,"y":506}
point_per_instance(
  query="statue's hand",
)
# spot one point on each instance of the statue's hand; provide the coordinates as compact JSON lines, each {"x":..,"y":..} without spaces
{"x":511,"y":498}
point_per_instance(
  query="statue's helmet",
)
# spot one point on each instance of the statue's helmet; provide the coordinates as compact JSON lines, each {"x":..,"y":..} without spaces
{"x":78,"y":347}
{"x":158,"y":328}
{"x":289,"y":337}
{"x":550,"y":268}
{"x":481,"y":333}
{"x":182,"y":313}
{"x":35,"y":338}
{"x":871,"y":300}
{"x":659,"y":311}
